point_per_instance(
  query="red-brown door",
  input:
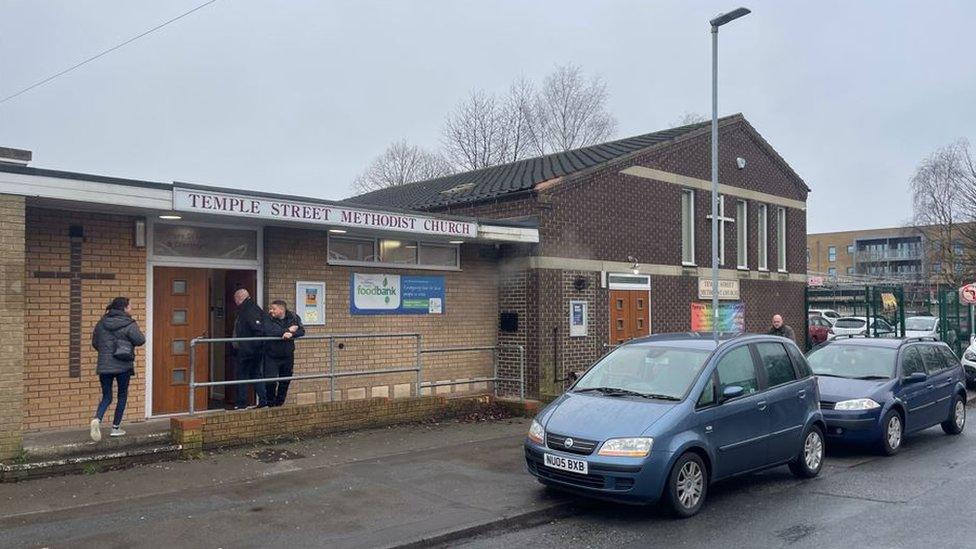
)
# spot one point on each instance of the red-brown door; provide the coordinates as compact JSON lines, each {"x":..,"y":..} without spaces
{"x":628,"y":315}
{"x":180,"y":313}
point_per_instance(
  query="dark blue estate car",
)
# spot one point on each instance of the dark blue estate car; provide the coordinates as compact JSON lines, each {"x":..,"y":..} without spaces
{"x":662,"y":417}
{"x":874,"y":391}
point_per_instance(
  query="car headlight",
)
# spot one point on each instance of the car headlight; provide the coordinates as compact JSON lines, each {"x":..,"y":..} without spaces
{"x":857,"y":404}
{"x":627,"y":447}
{"x":969,"y":355}
{"x":536,"y":433}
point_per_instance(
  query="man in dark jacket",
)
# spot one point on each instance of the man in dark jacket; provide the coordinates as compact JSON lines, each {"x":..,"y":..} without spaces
{"x":250,"y":322}
{"x":781,"y":329}
{"x":279,"y":356}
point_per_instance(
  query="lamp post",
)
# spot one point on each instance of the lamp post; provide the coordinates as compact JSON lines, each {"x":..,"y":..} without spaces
{"x":716,"y":23}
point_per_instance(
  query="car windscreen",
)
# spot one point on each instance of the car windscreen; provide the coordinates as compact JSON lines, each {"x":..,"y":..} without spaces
{"x":920,"y":324}
{"x":853,"y":361}
{"x":646,"y":369}
{"x":849,"y":323}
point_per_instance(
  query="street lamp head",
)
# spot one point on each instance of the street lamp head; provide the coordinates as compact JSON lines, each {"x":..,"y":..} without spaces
{"x":724,"y":18}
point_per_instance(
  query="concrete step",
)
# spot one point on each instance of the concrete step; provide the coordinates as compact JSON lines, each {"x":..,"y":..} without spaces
{"x":59,"y":449}
{"x":97,"y":460}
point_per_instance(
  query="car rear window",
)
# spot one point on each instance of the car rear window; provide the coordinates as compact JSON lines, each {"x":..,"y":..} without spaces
{"x":850,"y":323}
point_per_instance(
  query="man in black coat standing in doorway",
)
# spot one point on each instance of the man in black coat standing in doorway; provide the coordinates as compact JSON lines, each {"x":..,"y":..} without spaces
{"x":250,"y":322}
{"x":279,"y":356}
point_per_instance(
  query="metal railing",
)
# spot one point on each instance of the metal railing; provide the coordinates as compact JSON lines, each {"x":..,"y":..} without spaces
{"x":332,"y":374}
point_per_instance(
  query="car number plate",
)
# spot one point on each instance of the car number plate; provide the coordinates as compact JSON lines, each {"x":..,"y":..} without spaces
{"x":566,"y":464}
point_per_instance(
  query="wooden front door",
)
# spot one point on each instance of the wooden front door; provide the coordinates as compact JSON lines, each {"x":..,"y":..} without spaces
{"x":628,"y":315}
{"x":181,"y":304}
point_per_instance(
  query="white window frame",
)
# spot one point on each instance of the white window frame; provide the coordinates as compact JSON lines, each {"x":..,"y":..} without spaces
{"x":691,"y":221}
{"x":377,"y":263}
{"x":781,"y":239}
{"x":742,"y":226}
{"x":762,"y":260}
{"x":832,"y":257}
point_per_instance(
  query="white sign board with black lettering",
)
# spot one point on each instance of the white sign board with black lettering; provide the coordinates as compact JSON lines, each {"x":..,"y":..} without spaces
{"x":727,"y":289}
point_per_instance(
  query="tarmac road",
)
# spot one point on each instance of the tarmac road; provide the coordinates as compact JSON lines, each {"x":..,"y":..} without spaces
{"x":922,"y":497}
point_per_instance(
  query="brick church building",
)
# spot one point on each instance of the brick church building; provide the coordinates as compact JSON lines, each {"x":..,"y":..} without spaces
{"x":625,"y":243}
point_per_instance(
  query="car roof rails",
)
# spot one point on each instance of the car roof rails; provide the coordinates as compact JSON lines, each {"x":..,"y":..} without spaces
{"x":920,"y":338}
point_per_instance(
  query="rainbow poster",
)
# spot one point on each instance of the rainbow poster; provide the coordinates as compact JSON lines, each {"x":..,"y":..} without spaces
{"x":731,"y":317}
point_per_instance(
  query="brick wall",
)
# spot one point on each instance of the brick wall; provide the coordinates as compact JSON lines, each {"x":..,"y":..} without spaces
{"x":12,"y":254}
{"x":470,"y":320}
{"x":52,"y":398}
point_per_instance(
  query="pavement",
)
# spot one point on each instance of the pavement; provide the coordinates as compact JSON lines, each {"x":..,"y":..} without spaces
{"x":455,"y":483}
{"x":386,"y":487}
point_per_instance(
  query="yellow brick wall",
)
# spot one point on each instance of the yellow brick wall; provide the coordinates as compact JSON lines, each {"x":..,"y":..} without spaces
{"x":53,"y":399}
{"x":470,"y":319}
{"x":11,"y":324}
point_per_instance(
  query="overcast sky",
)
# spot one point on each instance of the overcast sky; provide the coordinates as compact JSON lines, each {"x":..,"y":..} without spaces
{"x":298,"y":96}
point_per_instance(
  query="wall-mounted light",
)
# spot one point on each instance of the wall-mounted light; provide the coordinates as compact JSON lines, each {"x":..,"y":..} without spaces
{"x":635,"y":268}
{"x":337,"y":231}
{"x":139,"y":233}
{"x":171,"y":217}
{"x":740,"y":162}
{"x":456,"y":242}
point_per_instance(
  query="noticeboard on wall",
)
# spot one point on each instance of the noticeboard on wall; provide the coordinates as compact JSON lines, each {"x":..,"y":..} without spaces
{"x":578,"y":323}
{"x":310,"y":302}
{"x":389,"y":294}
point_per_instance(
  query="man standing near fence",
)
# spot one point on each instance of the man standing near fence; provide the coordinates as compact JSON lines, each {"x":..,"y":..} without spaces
{"x":279,"y":356}
{"x":250,"y":322}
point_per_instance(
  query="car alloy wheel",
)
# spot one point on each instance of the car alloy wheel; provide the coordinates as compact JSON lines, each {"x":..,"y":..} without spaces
{"x":960,"y":415}
{"x":813,"y":450}
{"x":691,"y":483}
{"x":893,"y":432}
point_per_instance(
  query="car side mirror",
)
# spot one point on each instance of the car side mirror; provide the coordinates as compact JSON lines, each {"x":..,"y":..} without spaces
{"x":916,"y":377}
{"x":732,"y":391}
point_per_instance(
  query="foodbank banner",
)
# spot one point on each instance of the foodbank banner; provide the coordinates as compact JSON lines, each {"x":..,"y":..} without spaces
{"x":389,"y":294}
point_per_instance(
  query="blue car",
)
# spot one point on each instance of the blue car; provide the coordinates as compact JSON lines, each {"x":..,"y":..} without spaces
{"x":660,"y":418}
{"x":875,"y":391}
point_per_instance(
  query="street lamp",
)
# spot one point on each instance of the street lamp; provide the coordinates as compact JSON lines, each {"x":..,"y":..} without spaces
{"x":716,"y":23}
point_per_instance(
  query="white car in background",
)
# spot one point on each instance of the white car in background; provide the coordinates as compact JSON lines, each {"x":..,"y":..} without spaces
{"x":969,"y":362}
{"x":926,"y":326}
{"x":829,"y":315}
{"x":858,"y":325}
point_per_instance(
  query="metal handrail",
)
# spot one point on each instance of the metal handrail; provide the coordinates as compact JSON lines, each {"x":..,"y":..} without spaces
{"x":332,"y":375}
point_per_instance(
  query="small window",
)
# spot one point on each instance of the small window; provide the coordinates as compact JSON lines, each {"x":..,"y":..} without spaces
{"x":832,"y":272}
{"x":777,"y":363}
{"x":688,"y":226}
{"x":640,"y":322}
{"x":763,"y":229}
{"x":742,"y":234}
{"x":911,"y":361}
{"x":832,"y":253}
{"x":179,"y":317}
{"x":179,"y":287}
{"x":850,"y":270}
{"x":620,"y":304}
{"x":620,"y":324}
{"x":736,"y":368}
{"x":398,"y":251}
{"x":351,"y":249}
{"x":850,"y":249}
{"x":640,"y":304}
{"x":781,"y":239}
{"x":178,"y":347}
{"x":179,"y":377}
{"x":707,"y":397}
{"x":438,"y":256}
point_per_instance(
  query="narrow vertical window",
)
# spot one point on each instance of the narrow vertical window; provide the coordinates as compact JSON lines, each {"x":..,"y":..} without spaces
{"x":687,"y":227}
{"x":742,"y":234}
{"x":781,"y":239}
{"x":763,"y":238}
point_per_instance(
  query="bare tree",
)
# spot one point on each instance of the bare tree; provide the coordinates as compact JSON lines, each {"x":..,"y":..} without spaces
{"x":571,"y":112}
{"x":520,"y":119}
{"x":476,"y":133}
{"x":401,"y":163}
{"x":689,"y":118}
{"x":943,"y":194}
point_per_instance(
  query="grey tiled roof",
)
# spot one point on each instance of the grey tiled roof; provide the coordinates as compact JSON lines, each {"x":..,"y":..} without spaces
{"x":521,"y":175}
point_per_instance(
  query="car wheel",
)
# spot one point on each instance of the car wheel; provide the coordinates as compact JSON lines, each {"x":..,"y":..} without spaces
{"x":957,"y":417}
{"x":810,"y":459}
{"x":687,"y":485}
{"x":892,"y":432}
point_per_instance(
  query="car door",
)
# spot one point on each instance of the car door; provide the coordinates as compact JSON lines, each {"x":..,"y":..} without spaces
{"x":916,"y":396}
{"x":737,"y":429}
{"x":786,"y":398}
{"x":942,"y":378}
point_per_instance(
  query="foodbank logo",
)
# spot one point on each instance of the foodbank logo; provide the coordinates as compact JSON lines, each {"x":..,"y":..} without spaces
{"x":377,"y":291}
